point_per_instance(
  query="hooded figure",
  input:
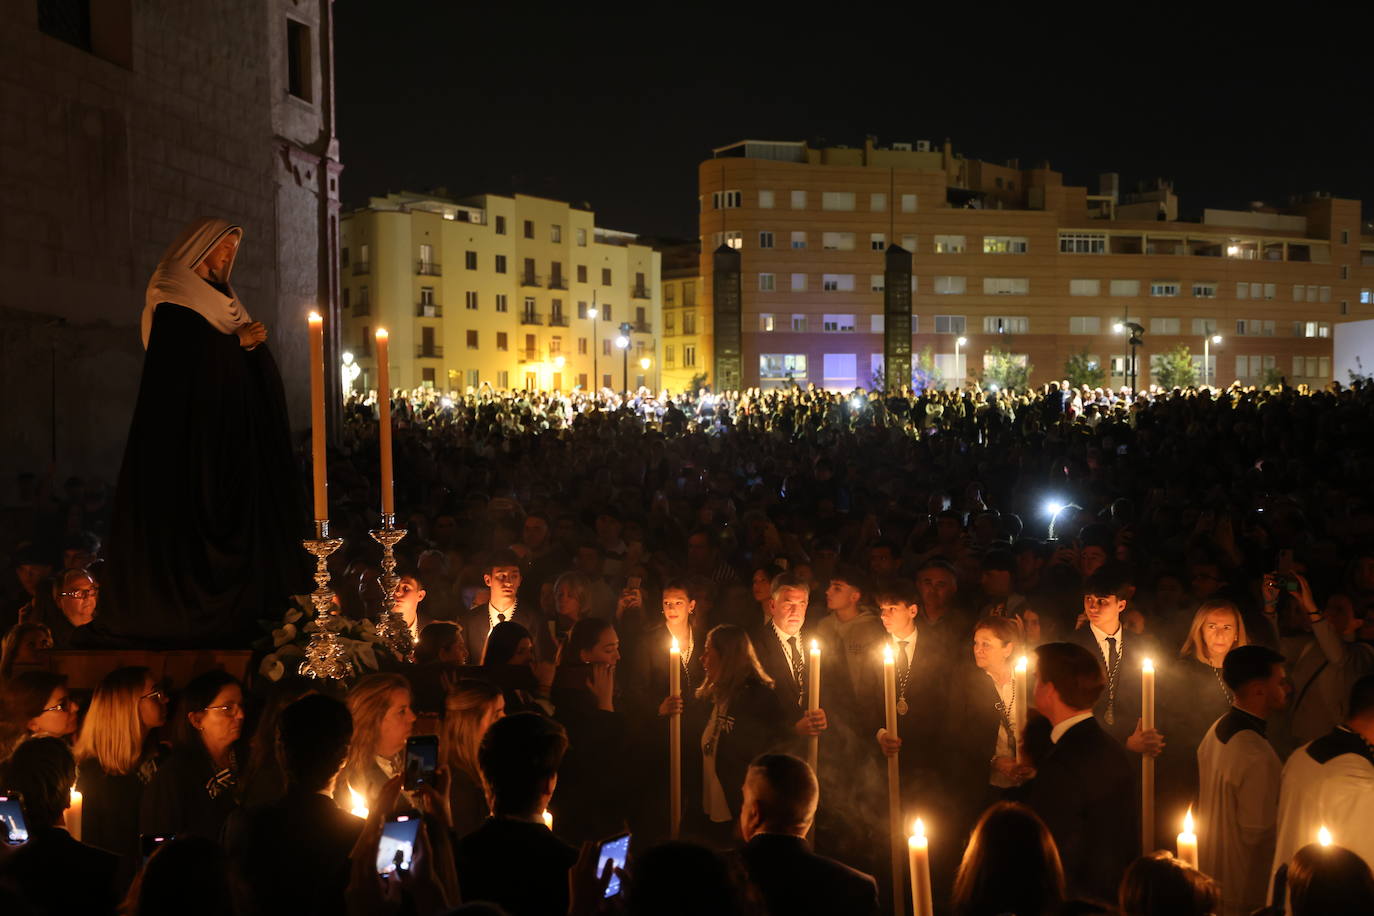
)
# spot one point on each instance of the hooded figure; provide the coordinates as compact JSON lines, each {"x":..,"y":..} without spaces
{"x":204,"y":540}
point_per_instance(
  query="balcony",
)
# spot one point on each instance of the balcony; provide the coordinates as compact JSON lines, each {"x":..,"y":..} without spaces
{"x":640,"y":292}
{"x":527,"y":356}
{"x":433,"y":351}
{"x":558,"y":281}
{"x":531,"y":318}
{"x":428,"y":269}
{"x":429,"y":310}
{"x":531,"y":280}
{"x":361,"y":267}
{"x":558,"y":320}
{"x":642,"y":327}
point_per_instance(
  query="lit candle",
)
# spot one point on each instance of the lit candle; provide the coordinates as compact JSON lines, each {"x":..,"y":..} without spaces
{"x":890,"y":690}
{"x":918,"y":850}
{"x":1022,"y":702}
{"x":317,"y":416}
{"x":1324,"y":836}
{"x":675,"y":739}
{"x":548,"y":819}
{"x":384,"y":420}
{"x":1187,"y":840}
{"x":814,"y":700}
{"x":359,"y":804}
{"x":894,"y":790}
{"x":1147,"y":763}
{"x":72,"y":817}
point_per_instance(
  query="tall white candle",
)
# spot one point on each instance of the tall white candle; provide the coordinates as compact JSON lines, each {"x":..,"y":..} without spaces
{"x":675,"y":740}
{"x":814,"y":700}
{"x":384,"y":420}
{"x":918,"y":851}
{"x":1147,"y":763}
{"x":1021,"y":704}
{"x":894,"y":790}
{"x":318,"y":466}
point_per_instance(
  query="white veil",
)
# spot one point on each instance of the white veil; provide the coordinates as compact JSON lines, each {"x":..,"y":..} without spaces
{"x":175,"y":280}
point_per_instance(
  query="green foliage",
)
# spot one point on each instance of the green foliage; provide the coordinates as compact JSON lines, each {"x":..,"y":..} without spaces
{"x":698,"y":382}
{"x":1174,"y":368}
{"x":1272,"y":378}
{"x":1081,"y":371}
{"x":1005,"y":370}
{"x":924,"y":373}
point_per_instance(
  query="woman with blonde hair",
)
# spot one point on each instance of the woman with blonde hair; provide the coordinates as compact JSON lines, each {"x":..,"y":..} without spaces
{"x":22,"y":647}
{"x":382,"y":720}
{"x":744,"y":718}
{"x":471,"y":708}
{"x":116,"y":756}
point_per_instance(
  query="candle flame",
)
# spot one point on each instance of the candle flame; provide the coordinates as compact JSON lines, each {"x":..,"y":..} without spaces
{"x":76,"y":796}
{"x":548,"y":820}
{"x":1148,"y":665}
{"x":815,"y":647}
{"x":1324,"y":836}
{"x":887,"y":655}
{"x":918,"y":829}
{"x":383,"y":334}
{"x":675,"y":648}
{"x":315,"y":318}
{"x":1022,"y":663}
{"x":1188,"y":820}
{"x":359,"y":803}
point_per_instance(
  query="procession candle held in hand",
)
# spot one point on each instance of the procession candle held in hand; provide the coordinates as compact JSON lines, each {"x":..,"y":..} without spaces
{"x":1022,"y":702}
{"x":1147,"y":694}
{"x":675,"y":739}
{"x":1324,"y":837}
{"x":359,"y":804}
{"x":548,"y":820}
{"x":890,"y":690}
{"x":815,"y":675}
{"x":918,"y":849}
{"x":894,"y":790}
{"x":1147,"y":763}
{"x":384,"y":420}
{"x":72,"y":817}
{"x":318,"y":466}
{"x":1187,"y":840}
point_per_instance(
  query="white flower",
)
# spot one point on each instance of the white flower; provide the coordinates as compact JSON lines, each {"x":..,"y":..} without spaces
{"x":282,"y":636}
{"x":272,"y":668}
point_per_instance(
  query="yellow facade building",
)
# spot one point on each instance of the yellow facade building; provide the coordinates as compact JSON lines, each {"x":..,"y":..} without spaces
{"x":686,"y":347}
{"x":1011,"y":259}
{"x":499,"y":291}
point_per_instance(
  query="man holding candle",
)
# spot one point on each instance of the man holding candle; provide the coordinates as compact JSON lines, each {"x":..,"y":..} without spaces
{"x":783,"y":652}
{"x":1239,"y":780}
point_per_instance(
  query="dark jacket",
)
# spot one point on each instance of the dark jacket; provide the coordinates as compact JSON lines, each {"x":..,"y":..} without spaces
{"x":972,"y":724}
{"x":517,"y":864}
{"x":590,"y":800}
{"x":795,"y":881}
{"x":110,"y":810}
{"x":1124,"y":702}
{"x":58,"y":876}
{"x":178,"y":800}
{"x":1085,"y":791}
{"x":758,"y":726}
{"x":467,"y":801}
{"x":476,"y":624}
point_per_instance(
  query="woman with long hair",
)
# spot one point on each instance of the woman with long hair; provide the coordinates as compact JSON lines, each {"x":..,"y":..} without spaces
{"x":22,"y":649}
{"x":743,"y":718}
{"x":572,"y":601}
{"x":471,"y":708}
{"x":35,"y":704}
{"x":593,"y":801}
{"x":1329,"y":881}
{"x":382,"y":721}
{"x":263,"y":779}
{"x":1161,"y":885}
{"x":508,"y":660}
{"x":116,"y":757}
{"x":196,"y":788}
{"x":1010,"y":865}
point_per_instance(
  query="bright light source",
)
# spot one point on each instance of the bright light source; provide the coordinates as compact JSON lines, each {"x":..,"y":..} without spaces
{"x":1216,"y":338}
{"x":1118,"y":327}
{"x":1324,"y":836}
{"x":1233,"y":251}
{"x":622,"y":341}
{"x":961,"y":341}
{"x":1054,"y":507}
{"x":446,"y":402}
{"x":645,"y":363}
{"x":856,"y":403}
{"x":993,"y":388}
{"x":560,"y":361}
{"x":591,"y":312}
{"x":347,"y":357}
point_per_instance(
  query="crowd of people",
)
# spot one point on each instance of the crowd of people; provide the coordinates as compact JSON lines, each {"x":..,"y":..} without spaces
{"x":556,"y":546}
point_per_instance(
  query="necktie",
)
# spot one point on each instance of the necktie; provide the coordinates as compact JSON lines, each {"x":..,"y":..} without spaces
{"x":1111,"y":655}
{"x":500,"y":618}
{"x":903,"y":663}
{"x":798,"y":673}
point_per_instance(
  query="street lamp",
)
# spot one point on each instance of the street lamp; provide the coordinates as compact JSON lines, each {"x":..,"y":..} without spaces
{"x":1207,"y":354}
{"x":623,"y":342}
{"x":1137,"y":339}
{"x":959,"y":342}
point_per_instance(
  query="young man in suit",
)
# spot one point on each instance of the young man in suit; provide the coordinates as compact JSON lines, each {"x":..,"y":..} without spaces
{"x":1084,"y":788}
{"x":1120,"y":653}
{"x":502,"y":577}
{"x":780,"y":795}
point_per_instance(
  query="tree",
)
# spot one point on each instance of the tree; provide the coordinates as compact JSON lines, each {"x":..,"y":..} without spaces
{"x":1174,"y":368}
{"x":924,"y":373}
{"x":697,"y":383}
{"x":1005,"y":370}
{"x":1082,"y":371}
{"x":1272,"y":378}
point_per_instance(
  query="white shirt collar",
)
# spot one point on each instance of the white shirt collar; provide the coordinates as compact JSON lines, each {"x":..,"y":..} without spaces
{"x":910,"y":641}
{"x":508,"y":613}
{"x":1058,"y":731}
{"x":783,"y":638}
{"x":1101,"y":638}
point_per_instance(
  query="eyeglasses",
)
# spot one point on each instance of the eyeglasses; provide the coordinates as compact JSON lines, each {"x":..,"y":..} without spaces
{"x":84,"y":593}
{"x":156,"y":695}
{"x":229,"y":709}
{"x":63,"y":705}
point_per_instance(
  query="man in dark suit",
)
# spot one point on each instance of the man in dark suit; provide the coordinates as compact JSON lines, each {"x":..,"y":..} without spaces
{"x":1120,"y":653}
{"x":1084,"y":788}
{"x":304,"y":832}
{"x":783,"y":652}
{"x":502,"y":577}
{"x":54,"y":873}
{"x":780,"y":794}
{"x":513,"y":859}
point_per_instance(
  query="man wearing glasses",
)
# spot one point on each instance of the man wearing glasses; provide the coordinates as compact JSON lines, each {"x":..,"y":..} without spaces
{"x":75,"y":595}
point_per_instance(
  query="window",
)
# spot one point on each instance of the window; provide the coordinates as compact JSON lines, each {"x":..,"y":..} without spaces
{"x":469,"y":260}
{"x":555,"y":233}
{"x":837,"y":283}
{"x":670,"y":294}
{"x":581,"y":238}
{"x":426,"y":295}
{"x":1204,"y":326}
{"x":500,"y":225}
{"x":782,"y":365}
{"x":1345,"y":236}
{"x":606,"y":312}
{"x":765,"y":200}
{"x":798,"y":200}
{"x":799,"y":323}
{"x":844,"y":323}
{"x":1120,"y":365}
{"x":1005,"y":244}
{"x":950,"y":286}
{"x":908,"y":203}
{"x":840,"y":370}
{"x":765,"y":240}
{"x":725,"y":200}
{"x":364,"y":302}
{"x":1311,"y":329}
{"x":1085,"y":287}
{"x":426,"y":256}
{"x":1256,"y":290}
{"x":669,"y":323}
{"x":877,"y":324}
{"x":1164,"y":288}
{"x":1125,"y":288}
{"x":581,"y":346}
{"x":669,"y":358}
{"x":1252,"y":327}
{"x":689,"y":356}
{"x":877,"y":202}
{"x":1242,"y":290}
{"x":298,"y":56}
{"x":606,"y":347}
{"x":472,"y":340}
{"x":799,"y":240}
{"x":877,"y":283}
{"x":500,"y":263}
{"x":502,"y":340}
{"x":1366,"y":296}
{"x":949,"y":244}
{"x":1082,"y":243}
{"x":799,"y":283}
{"x":503,"y":379}
{"x":1204,"y":290}
{"x":502,"y":302}
{"x":1345,"y":272}
{"x":837,"y":241}
{"x":909,"y":243}
{"x":837,"y":200}
{"x":470,"y":300}
{"x":1326,"y":294}
{"x":1085,"y":324}
{"x":689,"y":322}
{"x":1165,"y":326}
{"x":949,"y":324}
{"x":1000,"y":324}
{"x":733,"y":239}
{"x":767,"y":283}
{"x":1005,"y":286}
{"x":1269,"y":290}
{"x":555,"y":345}
{"x":765,"y":323}
{"x":605,"y":276}
{"x":877,"y":241}
{"x":529,"y":228}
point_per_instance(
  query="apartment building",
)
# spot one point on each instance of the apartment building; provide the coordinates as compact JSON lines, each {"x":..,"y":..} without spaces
{"x":686,"y":347}
{"x":1011,"y":259}
{"x":512,"y":292}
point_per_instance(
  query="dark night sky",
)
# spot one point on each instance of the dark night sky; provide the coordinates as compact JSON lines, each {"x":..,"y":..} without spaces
{"x":618,"y":108}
